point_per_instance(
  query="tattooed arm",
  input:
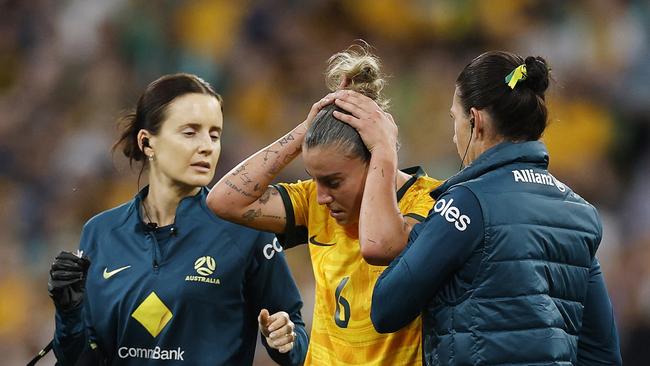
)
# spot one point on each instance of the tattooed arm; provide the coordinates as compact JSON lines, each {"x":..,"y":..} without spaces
{"x":244,"y":196}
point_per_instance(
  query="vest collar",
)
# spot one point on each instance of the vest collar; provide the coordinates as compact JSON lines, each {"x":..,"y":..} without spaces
{"x":497,"y":156}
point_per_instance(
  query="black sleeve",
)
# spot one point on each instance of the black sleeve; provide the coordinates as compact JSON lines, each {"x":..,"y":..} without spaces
{"x":436,"y":249}
{"x":69,"y":336}
{"x":293,"y":235}
{"x":75,"y":341}
{"x":273,"y":288}
{"x":598,"y":343}
{"x":70,"y":328}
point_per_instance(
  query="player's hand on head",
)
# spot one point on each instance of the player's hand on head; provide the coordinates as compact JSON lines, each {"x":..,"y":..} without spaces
{"x":316,"y":107}
{"x":67,"y":281}
{"x":376,"y":127}
{"x":278,"y":329}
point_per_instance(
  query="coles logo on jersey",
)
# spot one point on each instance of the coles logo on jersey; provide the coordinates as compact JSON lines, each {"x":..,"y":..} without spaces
{"x":204,"y":266}
{"x":452,"y":214}
{"x":270,"y":249}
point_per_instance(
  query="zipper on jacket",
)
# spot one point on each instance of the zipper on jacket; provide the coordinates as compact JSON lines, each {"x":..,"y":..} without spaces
{"x":155,"y":263}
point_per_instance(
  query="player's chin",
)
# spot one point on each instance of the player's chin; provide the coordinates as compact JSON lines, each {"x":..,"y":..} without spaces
{"x":347,"y":221}
{"x":342,"y":220}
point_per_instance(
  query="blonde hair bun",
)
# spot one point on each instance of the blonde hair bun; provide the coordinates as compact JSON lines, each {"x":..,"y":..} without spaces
{"x":356,"y":68}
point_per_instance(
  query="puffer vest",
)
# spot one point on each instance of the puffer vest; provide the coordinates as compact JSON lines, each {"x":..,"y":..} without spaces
{"x":524,"y":304}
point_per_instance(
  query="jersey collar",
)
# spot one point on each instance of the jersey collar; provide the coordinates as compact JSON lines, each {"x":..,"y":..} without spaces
{"x":415,"y":172}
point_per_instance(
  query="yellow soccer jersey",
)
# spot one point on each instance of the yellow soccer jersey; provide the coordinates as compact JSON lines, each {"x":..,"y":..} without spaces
{"x":342,"y":332}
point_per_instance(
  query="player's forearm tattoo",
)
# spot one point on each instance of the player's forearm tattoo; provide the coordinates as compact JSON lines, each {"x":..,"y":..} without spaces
{"x":267,"y":152}
{"x":280,"y":162}
{"x":275,"y":217}
{"x":234,"y":187}
{"x":291,"y":156}
{"x":285,"y":140}
{"x":250,"y":215}
{"x":276,"y":167}
{"x":245,"y":178}
{"x":267,"y":195}
{"x":239,"y":169}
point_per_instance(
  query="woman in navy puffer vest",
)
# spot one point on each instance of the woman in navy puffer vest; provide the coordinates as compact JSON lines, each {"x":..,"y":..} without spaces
{"x":504,"y":269}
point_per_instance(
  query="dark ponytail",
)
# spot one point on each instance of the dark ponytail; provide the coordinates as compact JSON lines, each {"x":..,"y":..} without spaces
{"x":149,"y":113}
{"x":519,"y":113}
{"x":537,"y":77}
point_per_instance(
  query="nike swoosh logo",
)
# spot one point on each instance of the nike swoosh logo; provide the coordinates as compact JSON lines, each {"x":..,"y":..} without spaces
{"x":112,"y":273}
{"x":312,"y":240}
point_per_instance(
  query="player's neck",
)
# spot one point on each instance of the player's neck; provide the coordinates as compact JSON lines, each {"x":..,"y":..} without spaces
{"x":352,"y":230}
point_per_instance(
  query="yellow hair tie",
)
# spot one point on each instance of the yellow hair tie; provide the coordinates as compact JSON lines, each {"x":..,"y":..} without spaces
{"x":519,"y":73}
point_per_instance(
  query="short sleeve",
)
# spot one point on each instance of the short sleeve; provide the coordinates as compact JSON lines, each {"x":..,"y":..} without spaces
{"x":418,"y":202}
{"x":295,"y":197}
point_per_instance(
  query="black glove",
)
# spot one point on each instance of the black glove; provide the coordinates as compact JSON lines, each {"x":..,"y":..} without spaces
{"x":67,"y":282}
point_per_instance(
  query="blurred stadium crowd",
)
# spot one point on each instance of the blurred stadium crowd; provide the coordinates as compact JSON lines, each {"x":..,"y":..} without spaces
{"x":68,"y":68}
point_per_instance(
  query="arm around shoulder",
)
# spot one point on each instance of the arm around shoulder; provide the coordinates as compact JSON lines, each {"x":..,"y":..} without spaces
{"x":436,"y":249}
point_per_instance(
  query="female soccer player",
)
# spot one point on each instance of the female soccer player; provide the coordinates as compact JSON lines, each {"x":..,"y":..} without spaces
{"x":324,"y":212}
{"x":503,"y":270}
{"x":168,"y":279}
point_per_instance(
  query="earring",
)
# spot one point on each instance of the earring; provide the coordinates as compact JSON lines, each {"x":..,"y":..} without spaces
{"x":150,"y":157}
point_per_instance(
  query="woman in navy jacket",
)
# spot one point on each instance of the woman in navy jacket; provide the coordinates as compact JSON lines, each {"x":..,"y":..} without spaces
{"x":504,"y":269}
{"x":169,"y":281}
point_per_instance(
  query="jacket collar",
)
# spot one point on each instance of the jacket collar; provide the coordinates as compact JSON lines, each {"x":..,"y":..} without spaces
{"x":133,"y":219}
{"x":505,"y":153}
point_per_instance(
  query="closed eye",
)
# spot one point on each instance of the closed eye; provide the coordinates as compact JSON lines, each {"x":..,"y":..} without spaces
{"x":188,"y":132}
{"x":332,"y":183}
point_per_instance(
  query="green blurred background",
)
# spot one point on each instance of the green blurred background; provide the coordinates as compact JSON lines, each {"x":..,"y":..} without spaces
{"x":68,"y":68}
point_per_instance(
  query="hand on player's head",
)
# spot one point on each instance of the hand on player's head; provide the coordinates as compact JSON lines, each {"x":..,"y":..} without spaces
{"x":376,"y":127}
{"x":316,"y":107}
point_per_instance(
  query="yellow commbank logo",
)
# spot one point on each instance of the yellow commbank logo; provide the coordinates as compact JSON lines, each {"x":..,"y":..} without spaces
{"x":205,"y":266}
{"x":153,"y":314}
